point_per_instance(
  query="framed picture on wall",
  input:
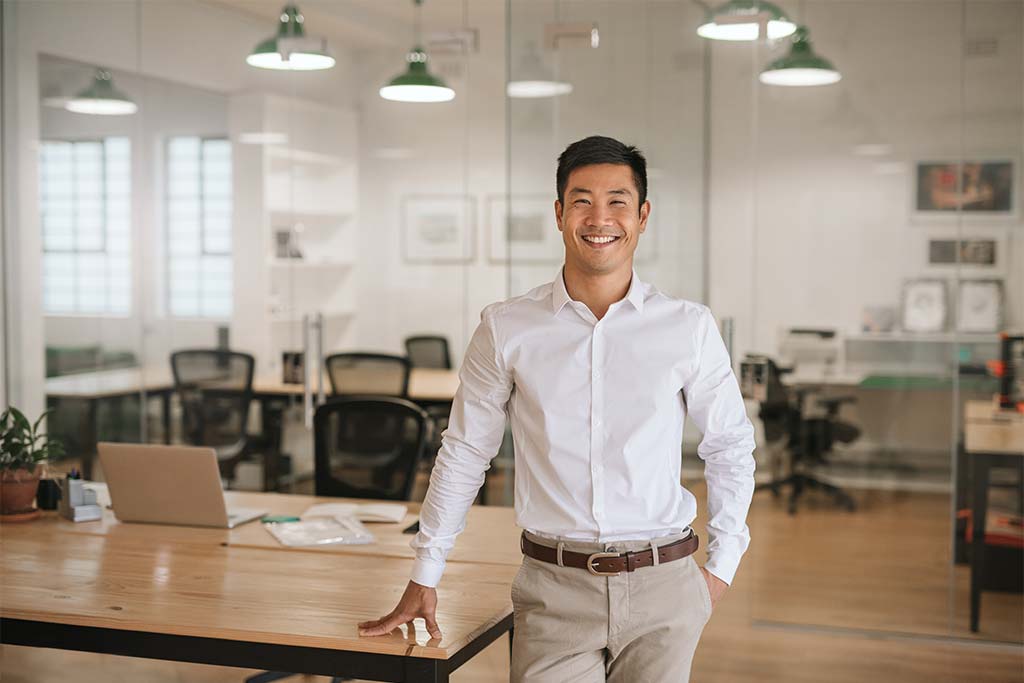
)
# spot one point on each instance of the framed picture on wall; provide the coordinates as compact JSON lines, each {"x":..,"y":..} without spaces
{"x":969,"y":252}
{"x":975,"y":187}
{"x":924,"y":305}
{"x":438,"y":229}
{"x":529,"y":235}
{"x":979,"y":306}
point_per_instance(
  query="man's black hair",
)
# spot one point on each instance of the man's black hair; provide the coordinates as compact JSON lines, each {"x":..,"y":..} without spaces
{"x":601,"y":150}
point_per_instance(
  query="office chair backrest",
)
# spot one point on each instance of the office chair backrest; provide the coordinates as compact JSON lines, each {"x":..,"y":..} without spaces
{"x":368,"y":447}
{"x":362,"y":374}
{"x":215,"y":389}
{"x":427,"y":351}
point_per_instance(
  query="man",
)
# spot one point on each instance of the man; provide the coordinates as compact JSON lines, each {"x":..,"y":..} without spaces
{"x":596,"y":372}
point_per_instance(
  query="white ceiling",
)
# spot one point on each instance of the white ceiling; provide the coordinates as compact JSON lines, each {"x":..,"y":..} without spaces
{"x":367,"y":24}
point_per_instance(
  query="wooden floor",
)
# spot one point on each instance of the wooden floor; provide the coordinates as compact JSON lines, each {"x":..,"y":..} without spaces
{"x":821,"y":596}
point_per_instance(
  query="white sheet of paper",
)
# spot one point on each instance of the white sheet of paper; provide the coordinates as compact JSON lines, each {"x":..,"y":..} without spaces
{"x":367,"y":512}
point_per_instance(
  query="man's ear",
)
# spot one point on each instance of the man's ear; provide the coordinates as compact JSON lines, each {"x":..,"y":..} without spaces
{"x":645,"y":211}
{"x":558,"y":214}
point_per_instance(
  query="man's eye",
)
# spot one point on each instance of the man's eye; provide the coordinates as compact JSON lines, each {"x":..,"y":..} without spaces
{"x":619,"y":202}
{"x":581,"y":201}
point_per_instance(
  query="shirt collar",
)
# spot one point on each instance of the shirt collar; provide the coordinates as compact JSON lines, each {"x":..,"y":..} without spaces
{"x":560,"y":295}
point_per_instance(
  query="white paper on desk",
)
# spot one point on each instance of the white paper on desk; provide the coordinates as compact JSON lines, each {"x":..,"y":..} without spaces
{"x":364,"y":512}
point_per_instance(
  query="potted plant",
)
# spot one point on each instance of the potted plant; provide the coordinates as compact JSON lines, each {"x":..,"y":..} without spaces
{"x":22,"y":448}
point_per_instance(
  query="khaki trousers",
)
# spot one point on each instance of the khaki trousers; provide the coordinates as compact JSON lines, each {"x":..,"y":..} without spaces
{"x":637,"y":627}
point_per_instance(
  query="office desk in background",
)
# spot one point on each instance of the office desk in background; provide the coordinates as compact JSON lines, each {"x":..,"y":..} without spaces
{"x":426,"y":386}
{"x":187,"y":594}
{"x":992,"y":438}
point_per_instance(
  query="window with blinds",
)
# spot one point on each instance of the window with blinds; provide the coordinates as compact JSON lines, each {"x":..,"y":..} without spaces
{"x":85,"y":212}
{"x":198,"y":227}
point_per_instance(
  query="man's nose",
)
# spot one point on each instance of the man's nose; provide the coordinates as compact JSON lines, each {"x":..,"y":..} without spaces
{"x":599,"y":216}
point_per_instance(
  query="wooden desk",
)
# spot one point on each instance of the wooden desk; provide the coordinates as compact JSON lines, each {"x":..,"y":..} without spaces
{"x":491,"y":536}
{"x":245,"y":607}
{"x":425,"y":384}
{"x":992,"y":438}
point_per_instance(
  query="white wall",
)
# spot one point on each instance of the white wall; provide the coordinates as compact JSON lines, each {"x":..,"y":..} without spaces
{"x":807,"y":233}
{"x":185,"y":41}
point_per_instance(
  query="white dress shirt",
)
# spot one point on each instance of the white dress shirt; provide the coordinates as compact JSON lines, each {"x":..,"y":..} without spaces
{"x":597,"y":410}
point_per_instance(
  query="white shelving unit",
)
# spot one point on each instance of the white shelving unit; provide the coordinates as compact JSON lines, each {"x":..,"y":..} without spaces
{"x":304,"y":188}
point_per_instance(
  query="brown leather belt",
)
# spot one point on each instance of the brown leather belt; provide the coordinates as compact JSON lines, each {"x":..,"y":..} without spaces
{"x":611,"y":564}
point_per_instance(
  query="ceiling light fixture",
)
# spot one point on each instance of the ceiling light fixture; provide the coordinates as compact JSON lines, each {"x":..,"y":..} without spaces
{"x":801,"y":67}
{"x":746,"y":20}
{"x":535,"y":79}
{"x":416,"y":83}
{"x":101,"y":98}
{"x":291,"y":49}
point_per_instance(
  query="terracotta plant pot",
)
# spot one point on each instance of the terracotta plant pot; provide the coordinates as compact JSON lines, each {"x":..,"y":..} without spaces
{"x":18,"y":490}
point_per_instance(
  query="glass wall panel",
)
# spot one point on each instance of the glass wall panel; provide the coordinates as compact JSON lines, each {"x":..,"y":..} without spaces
{"x":863,"y":219}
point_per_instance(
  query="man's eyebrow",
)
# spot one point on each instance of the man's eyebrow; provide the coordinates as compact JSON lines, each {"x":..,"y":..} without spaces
{"x":621,"y":190}
{"x":580,"y":190}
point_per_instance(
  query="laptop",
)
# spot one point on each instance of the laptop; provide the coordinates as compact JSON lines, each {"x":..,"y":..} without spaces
{"x":168,"y":485}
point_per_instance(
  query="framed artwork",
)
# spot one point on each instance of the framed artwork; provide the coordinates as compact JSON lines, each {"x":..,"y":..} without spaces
{"x":976,"y":187}
{"x":924,"y":306}
{"x":529,"y":235}
{"x":965,"y":252}
{"x":971,"y":252}
{"x":979,"y":305}
{"x":438,"y":229}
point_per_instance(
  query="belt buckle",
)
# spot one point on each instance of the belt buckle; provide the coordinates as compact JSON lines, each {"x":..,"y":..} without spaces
{"x":597,"y":556}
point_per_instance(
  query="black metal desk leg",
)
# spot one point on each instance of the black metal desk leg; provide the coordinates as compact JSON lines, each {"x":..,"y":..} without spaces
{"x":419,"y":670}
{"x":165,"y":411}
{"x":91,"y":437}
{"x":272,"y":419}
{"x":979,"y":505}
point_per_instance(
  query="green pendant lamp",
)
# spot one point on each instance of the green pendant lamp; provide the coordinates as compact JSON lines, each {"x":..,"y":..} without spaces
{"x":742,"y":20}
{"x":291,"y":49}
{"x":535,"y":79}
{"x":801,"y":67}
{"x":101,"y":98}
{"x":416,"y":83}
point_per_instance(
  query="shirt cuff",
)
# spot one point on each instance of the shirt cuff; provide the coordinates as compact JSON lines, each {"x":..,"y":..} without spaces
{"x":723,"y":566}
{"x":427,"y":572}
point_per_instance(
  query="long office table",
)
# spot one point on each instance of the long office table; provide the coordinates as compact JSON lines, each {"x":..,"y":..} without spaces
{"x":426,"y":386}
{"x":490,"y":536}
{"x":188,"y":594}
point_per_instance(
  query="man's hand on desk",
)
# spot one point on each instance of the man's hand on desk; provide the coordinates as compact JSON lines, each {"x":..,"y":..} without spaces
{"x":716,"y":587}
{"x":417,"y":601}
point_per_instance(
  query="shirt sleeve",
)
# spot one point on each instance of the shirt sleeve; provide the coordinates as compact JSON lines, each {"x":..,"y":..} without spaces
{"x":714,"y":403}
{"x":475,"y":430}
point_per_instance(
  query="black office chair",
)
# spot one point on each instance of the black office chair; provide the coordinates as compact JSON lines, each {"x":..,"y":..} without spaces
{"x":369,"y":447}
{"x":365,"y":374}
{"x":428,"y":351}
{"x":215,"y":390}
{"x":808,"y":426}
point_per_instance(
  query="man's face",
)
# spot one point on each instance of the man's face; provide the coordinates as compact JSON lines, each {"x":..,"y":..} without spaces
{"x":602,"y":218}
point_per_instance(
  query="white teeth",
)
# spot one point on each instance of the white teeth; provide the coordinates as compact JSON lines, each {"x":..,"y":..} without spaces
{"x":600,"y":240}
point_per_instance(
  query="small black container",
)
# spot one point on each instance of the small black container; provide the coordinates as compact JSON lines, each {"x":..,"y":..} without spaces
{"x":48,"y":494}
